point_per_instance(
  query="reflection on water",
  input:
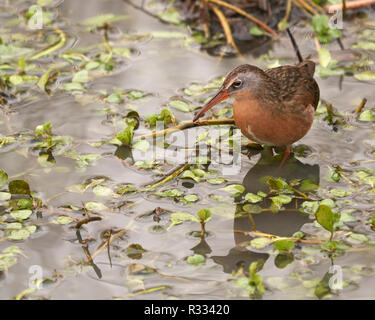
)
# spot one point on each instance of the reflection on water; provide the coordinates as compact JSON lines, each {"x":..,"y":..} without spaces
{"x":163,"y":67}
{"x":283,"y":223}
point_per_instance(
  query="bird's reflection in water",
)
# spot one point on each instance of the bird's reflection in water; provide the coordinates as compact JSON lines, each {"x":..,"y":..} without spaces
{"x":283,"y":223}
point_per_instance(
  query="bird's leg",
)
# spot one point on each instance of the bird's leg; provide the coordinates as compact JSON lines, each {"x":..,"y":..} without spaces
{"x":285,"y":156}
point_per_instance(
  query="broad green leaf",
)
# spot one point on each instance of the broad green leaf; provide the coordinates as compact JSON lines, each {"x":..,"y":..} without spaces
{"x":101,"y":191}
{"x":365,"y":76}
{"x":63,"y":220}
{"x":81,"y":76}
{"x":366,"y":115}
{"x":234,"y":189}
{"x":180,"y":217}
{"x":73,"y":86}
{"x":204,"y":215}
{"x":191,"y":198}
{"x":170,"y":15}
{"x":21,"y":214}
{"x":95,"y":206}
{"x":251,"y":208}
{"x":324,"y":57}
{"x":325,"y":217}
{"x":5,"y":196}
{"x":260,"y":243}
{"x":253,"y":198}
{"x":179,"y":105}
{"x":19,"y":187}
{"x":284,"y":245}
{"x":340,"y":193}
{"x":142,"y":145}
{"x":196,"y":259}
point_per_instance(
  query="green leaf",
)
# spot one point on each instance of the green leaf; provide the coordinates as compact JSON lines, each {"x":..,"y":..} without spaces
{"x":204,"y":215}
{"x":15,"y":79}
{"x":142,"y":145}
{"x":21,"y":214}
{"x":325,"y":217}
{"x":191,"y":197}
{"x":180,"y":217}
{"x":20,"y":234}
{"x":324,"y":57}
{"x":284,"y":245}
{"x":95,"y":206}
{"x":73,"y":86}
{"x":81,"y":76}
{"x":25,"y":204}
{"x":365,"y":45}
{"x":252,"y":208}
{"x":281,"y":199}
{"x":234,"y":189}
{"x":135,"y":94}
{"x":366,"y":115}
{"x":260,"y":243}
{"x":256,"y":31}
{"x":3,"y":178}
{"x":5,"y":196}
{"x":196,"y":259}
{"x":44,"y":79}
{"x":216,"y":180}
{"x":114,"y":98}
{"x":283,"y":259}
{"x":19,"y":187}
{"x":63,"y":220}
{"x":101,"y":191}
{"x":189,"y":174}
{"x":359,"y":237}
{"x":179,"y":105}
{"x":276,"y":184}
{"x":340,"y":193}
{"x":171,"y":15}
{"x":325,"y":33}
{"x":44,"y":129}
{"x":365,"y":76}
{"x":253,"y":198}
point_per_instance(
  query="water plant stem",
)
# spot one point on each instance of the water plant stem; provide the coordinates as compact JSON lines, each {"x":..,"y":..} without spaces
{"x":186,"y":125}
{"x":245,"y":14}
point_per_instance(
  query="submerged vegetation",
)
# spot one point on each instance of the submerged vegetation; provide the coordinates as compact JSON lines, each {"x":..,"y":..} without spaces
{"x":75,"y":183}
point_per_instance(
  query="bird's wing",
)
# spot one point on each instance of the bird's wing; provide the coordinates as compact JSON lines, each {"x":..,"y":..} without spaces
{"x":296,"y":84}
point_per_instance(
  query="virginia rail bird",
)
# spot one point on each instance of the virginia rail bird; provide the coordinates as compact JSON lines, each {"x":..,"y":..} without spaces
{"x":273,"y":107}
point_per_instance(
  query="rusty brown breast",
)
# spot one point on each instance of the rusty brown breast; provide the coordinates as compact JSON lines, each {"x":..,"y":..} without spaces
{"x":279,"y":109}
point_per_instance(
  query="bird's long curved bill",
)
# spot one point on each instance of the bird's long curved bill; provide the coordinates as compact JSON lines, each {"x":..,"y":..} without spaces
{"x":220,"y":96}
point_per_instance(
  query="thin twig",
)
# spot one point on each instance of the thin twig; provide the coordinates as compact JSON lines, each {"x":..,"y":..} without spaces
{"x":224,"y":23}
{"x":284,"y":21}
{"x":307,"y":7}
{"x":245,"y":14}
{"x":168,"y":178}
{"x":296,"y":49}
{"x":361,"y":106}
{"x":186,"y":125}
{"x":106,"y":243}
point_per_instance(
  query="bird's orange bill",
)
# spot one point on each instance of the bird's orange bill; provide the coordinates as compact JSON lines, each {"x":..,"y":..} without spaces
{"x":220,"y":96}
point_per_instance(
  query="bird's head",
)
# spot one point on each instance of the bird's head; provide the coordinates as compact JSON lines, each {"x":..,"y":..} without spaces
{"x":241,"y":80}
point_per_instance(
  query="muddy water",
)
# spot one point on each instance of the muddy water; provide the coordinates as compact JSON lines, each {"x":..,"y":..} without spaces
{"x":162,"y":67}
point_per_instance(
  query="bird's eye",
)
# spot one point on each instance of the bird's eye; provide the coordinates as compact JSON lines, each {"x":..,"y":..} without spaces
{"x":237,"y":84}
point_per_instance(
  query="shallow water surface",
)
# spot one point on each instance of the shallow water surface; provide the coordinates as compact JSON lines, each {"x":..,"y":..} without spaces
{"x":149,"y":257}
